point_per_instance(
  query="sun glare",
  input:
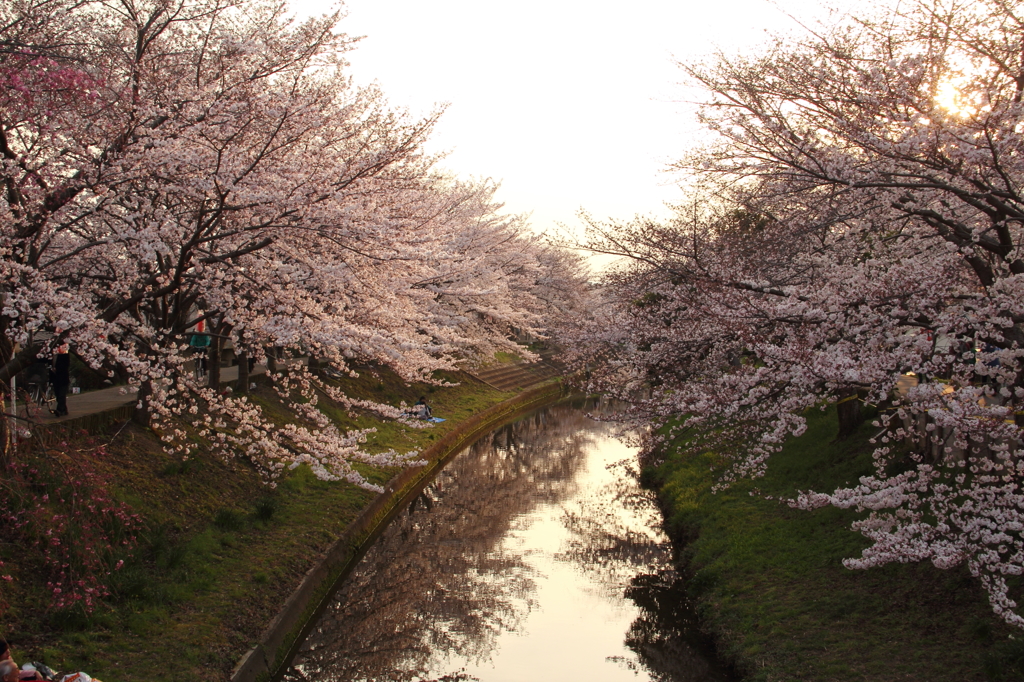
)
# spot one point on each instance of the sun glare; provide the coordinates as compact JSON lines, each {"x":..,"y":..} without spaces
{"x":950,"y":98}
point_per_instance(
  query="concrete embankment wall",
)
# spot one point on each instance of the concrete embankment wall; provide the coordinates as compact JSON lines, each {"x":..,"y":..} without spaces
{"x":300,"y":611}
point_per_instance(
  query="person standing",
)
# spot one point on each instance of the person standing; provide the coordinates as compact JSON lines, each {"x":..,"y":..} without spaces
{"x":61,"y":379}
{"x":200,"y":344}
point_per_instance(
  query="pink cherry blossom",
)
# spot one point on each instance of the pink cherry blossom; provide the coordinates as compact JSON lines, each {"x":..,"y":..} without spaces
{"x":166,"y":164}
{"x":848,"y":227}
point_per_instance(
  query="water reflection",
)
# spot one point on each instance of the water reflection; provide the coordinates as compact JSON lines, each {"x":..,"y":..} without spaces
{"x":512,"y":565}
{"x":665,"y":636}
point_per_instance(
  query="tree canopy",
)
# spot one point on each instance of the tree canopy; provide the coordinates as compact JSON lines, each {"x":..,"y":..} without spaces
{"x":855,"y":224}
{"x":170,"y":162}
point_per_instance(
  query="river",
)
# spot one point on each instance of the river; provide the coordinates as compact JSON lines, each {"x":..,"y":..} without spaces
{"x":532,"y":556}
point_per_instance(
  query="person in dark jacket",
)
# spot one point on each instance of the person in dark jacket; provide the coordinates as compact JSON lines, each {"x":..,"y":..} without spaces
{"x":422,"y":410}
{"x":61,"y":379}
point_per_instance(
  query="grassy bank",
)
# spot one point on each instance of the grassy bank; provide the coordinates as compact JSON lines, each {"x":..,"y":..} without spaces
{"x":771,"y":588}
{"x":217,"y":552}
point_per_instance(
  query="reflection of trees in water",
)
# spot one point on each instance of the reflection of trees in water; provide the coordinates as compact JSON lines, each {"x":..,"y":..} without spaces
{"x":615,"y":537}
{"x":665,"y":636}
{"x":437,"y":582}
{"x":614,"y":532}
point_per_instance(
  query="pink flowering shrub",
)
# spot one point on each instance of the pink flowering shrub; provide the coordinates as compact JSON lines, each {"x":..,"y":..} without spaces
{"x":61,"y":513}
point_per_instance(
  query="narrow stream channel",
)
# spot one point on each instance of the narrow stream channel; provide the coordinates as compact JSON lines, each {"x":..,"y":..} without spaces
{"x":532,"y":556}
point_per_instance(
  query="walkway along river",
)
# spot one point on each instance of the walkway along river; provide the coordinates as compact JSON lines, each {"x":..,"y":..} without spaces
{"x":532,"y":556}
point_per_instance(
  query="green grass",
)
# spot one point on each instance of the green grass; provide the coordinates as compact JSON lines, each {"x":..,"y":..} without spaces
{"x":220,"y":552}
{"x":771,"y":588}
{"x":503,"y":358}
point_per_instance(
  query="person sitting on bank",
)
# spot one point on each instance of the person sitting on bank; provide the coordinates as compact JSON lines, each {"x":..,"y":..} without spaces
{"x":8,"y":668}
{"x":9,"y":672}
{"x":422,"y":410}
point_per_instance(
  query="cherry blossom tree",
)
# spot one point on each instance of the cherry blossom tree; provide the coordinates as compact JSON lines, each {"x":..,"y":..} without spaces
{"x":170,"y":162}
{"x":859,"y":219}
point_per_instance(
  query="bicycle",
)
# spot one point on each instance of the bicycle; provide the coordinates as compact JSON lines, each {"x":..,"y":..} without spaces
{"x":46,"y":397}
{"x":26,"y":408}
{"x":37,"y":396}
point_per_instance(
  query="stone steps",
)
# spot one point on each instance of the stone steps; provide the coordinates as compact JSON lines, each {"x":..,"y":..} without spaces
{"x":515,"y":376}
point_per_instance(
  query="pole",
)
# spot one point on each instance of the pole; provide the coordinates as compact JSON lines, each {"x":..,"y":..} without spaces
{"x":12,"y":430}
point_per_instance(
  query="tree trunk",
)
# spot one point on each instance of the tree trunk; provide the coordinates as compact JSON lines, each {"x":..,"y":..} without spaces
{"x":140,"y":415}
{"x":1018,"y":405}
{"x":6,"y":434}
{"x":849,"y":412}
{"x":213,"y":363}
{"x":243,"y":373}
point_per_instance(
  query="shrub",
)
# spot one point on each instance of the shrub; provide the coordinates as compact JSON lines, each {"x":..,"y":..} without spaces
{"x":62,"y":510}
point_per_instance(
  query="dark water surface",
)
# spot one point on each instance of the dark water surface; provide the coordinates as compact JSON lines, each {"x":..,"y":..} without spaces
{"x":532,"y":556}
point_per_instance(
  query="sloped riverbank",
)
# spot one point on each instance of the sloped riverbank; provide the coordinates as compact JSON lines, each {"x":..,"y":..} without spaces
{"x":770,"y":586}
{"x":218,"y":554}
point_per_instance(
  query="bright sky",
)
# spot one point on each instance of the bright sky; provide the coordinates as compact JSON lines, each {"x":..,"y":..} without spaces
{"x":570,"y":104}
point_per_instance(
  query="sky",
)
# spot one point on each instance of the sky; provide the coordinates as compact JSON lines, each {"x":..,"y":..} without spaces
{"x":569,"y":104}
